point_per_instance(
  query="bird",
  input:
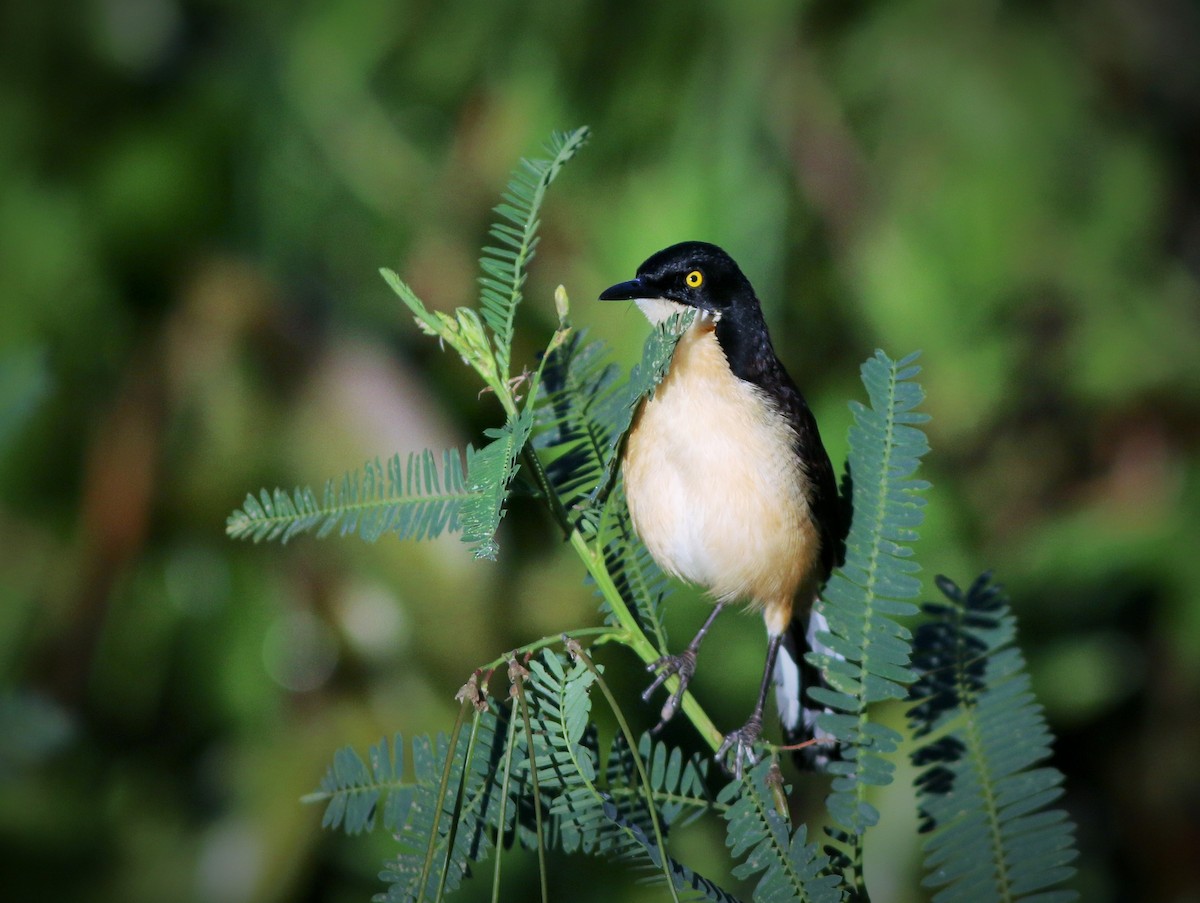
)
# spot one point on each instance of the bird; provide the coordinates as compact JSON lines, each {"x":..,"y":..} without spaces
{"x":728,"y":483}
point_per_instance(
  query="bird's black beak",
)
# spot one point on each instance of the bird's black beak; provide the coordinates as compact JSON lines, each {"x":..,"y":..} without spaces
{"x":624,"y":291}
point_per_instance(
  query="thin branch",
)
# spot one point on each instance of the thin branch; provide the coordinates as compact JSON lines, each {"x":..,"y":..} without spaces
{"x":441,"y":799}
{"x":576,"y":650}
{"x":634,"y":637}
{"x":519,"y":686}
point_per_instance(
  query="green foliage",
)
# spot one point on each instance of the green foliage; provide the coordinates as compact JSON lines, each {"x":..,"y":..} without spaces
{"x":412,"y":502}
{"x":193,"y":211}
{"x":504,"y":267}
{"x":585,"y":412}
{"x":791,"y":868}
{"x":678,"y":783}
{"x":410,"y":498}
{"x":533,"y":773}
{"x":440,"y":807}
{"x":864,"y":597}
{"x":613,"y":820}
{"x":463,"y":332}
{"x":504,"y":272}
{"x":445,"y":831}
{"x":438,"y":832}
{"x":983,"y":803}
{"x":575,"y":419}
{"x":489,"y":475}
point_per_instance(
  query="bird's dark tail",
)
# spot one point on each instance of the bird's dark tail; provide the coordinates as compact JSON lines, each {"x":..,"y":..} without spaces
{"x":793,"y":675}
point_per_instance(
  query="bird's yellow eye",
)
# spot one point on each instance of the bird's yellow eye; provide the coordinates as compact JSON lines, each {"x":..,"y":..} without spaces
{"x":694,"y":278}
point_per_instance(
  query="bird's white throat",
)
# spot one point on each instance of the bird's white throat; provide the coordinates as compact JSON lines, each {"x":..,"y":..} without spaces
{"x":659,"y":310}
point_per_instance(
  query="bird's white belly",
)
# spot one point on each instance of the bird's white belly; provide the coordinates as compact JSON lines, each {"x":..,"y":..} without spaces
{"x":715,"y":489}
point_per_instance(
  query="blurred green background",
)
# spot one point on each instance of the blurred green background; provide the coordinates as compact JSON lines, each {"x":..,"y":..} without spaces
{"x":195,"y":196}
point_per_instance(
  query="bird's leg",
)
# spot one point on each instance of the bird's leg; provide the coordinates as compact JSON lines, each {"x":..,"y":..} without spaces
{"x":683,"y":664}
{"x":741,"y":742}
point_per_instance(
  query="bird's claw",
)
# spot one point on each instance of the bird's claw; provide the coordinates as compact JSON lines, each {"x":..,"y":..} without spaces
{"x":684,"y":665}
{"x":740,"y":744}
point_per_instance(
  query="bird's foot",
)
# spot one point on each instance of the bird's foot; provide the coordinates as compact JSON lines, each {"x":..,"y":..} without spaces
{"x":739,"y":745}
{"x":684,"y":665}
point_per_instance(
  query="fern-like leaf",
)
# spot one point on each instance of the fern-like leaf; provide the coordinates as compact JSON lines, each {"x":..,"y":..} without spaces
{"x":352,"y":790}
{"x":490,"y":471}
{"x":409,"y":497}
{"x":468,"y":806}
{"x":644,"y":378}
{"x":984,"y":801}
{"x":864,"y":597}
{"x":504,"y":266}
{"x":678,"y":786}
{"x":587,"y":816}
{"x":695,"y":887}
{"x":636,"y":575}
{"x":443,"y":826}
{"x":680,"y":795}
{"x":574,"y":422}
{"x":568,"y":765}
{"x":792,"y":868}
{"x":584,"y":412}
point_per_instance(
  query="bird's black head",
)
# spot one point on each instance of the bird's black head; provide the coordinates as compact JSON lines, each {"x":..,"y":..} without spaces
{"x":692,"y":273}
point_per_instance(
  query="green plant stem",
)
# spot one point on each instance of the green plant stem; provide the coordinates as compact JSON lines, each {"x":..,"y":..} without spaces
{"x":574,"y":648}
{"x":508,"y":752}
{"x":528,"y":455}
{"x":441,"y":801}
{"x":553,"y":502}
{"x":631,"y":635}
{"x":458,"y":799}
{"x":537,"y":790}
{"x":605,"y":634}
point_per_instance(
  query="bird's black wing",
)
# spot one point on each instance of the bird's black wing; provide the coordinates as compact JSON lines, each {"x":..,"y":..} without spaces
{"x":799,"y":714}
{"x":823,"y":498}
